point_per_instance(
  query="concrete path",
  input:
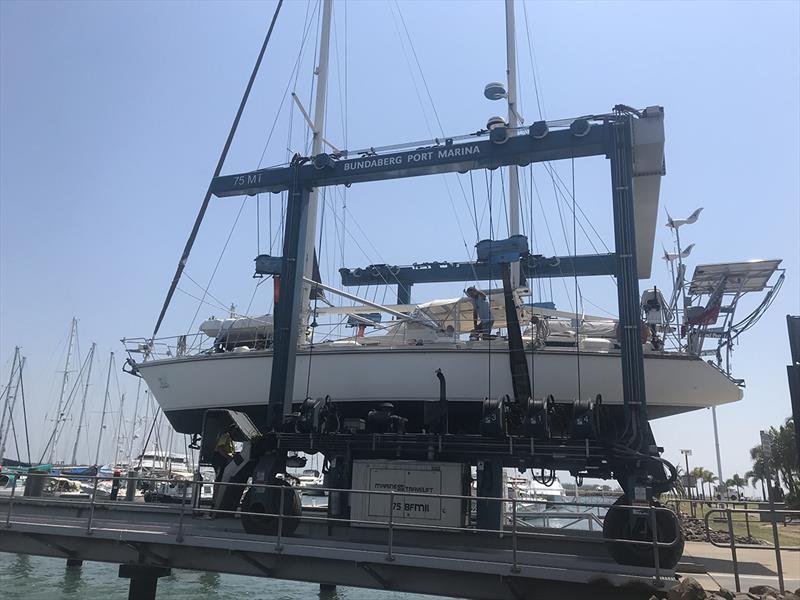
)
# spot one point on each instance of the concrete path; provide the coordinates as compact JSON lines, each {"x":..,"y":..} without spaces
{"x":756,"y":567}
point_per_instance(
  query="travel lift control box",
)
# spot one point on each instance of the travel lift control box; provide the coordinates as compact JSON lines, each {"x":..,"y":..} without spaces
{"x":405,"y":478}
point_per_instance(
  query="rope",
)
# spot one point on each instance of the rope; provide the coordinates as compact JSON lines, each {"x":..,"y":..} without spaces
{"x":204,"y":206}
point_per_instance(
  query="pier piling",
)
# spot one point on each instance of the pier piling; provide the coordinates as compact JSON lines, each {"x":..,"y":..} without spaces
{"x":144,"y":580}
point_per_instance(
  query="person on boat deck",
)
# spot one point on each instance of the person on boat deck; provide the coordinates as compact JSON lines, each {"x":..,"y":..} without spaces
{"x":482,"y":316}
{"x":223,"y":452}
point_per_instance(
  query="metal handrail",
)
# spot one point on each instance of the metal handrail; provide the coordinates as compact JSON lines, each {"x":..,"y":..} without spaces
{"x":732,"y":539}
{"x":726,"y":508}
{"x":93,"y":502}
{"x":731,"y":511}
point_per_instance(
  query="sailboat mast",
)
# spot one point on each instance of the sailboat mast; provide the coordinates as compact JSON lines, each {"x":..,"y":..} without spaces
{"x":105,"y":405}
{"x":513,"y":123}
{"x":133,"y":421}
{"x":120,"y":428}
{"x":83,"y":405}
{"x":13,"y":402}
{"x":7,"y":392}
{"x":64,"y":380}
{"x":316,"y":148}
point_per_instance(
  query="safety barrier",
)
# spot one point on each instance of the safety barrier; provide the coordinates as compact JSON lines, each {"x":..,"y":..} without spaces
{"x":728,"y":508}
{"x":514,"y":530}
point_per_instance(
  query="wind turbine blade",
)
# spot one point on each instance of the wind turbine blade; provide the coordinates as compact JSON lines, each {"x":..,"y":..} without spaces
{"x":693,"y":217}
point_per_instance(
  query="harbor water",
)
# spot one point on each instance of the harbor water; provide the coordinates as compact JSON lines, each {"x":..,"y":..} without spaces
{"x":41,"y":578}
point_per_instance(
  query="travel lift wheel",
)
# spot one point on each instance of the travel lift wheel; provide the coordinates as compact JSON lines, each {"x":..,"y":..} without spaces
{"x":636,"y":524}
{"x":267,"y":501}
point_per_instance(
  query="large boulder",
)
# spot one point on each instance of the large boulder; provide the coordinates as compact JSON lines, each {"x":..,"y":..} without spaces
{"x":765,"y":590}
{"x":687,"y":589}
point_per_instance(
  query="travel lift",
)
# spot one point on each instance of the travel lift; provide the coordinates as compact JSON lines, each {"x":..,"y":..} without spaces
{"x":587,"y":438}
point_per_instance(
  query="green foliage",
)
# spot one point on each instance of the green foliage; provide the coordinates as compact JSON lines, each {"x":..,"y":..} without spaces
{"x":781,"y":466}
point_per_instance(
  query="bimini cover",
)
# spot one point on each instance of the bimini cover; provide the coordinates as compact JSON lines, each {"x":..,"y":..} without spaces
{"x":241,"y":326}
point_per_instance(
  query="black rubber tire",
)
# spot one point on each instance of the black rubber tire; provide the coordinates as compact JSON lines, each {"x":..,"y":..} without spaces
{"x":626,"y":524}
{"x":267,"y":501}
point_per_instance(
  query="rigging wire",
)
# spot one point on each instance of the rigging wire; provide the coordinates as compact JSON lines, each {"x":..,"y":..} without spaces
{"x":425,"y":117}
{"x":219,"y":260}
{"x":204,"y":206}
{"x":577,"y":288}
{"x":539,"y":101}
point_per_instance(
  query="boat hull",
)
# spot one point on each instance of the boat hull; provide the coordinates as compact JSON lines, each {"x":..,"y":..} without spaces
{"x":359,"y":379}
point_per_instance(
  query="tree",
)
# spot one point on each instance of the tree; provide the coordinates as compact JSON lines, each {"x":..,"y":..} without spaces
{"x":736,"y":482}
{"x":739,"y":484}
{"x":781,"y":465}
{"x":680,"y":486}
{"x":757,"y":475}
{"x":709,"y":478}
{"x":784,"y":455}
{"x":697,"y":473}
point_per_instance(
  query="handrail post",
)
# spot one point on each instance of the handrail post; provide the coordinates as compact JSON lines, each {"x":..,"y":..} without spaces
{"x":777,"y":543}
{"x":11,"y":502}
{"x":732,"y":542}
{"x":747,"y":523}
{"x":278,"y":546}
{"x":389,"y":555}
{"x":91,"y":506}
{"x":183,"y":510}
{"x":656,"y":557}
{"x":515,"y":568}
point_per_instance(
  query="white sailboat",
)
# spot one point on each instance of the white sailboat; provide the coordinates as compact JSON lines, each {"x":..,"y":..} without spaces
{"x":232,"y":369}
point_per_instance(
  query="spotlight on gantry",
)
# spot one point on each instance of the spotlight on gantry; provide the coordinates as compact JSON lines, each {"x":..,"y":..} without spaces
{"x":498,"y":130}
{"x":580,"y":127}
{"x":495,"y":91}
{"x":539,"y":130}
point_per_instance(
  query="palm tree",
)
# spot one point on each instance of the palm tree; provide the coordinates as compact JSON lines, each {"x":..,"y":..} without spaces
{"x":709,"y":478}
{"x":782,"y":464}
{"x":697,"y":473}
{"x":784,"y":455}
{"x":679,"y":486}
{"x":754,"y":476}
{"x":738,"y":483}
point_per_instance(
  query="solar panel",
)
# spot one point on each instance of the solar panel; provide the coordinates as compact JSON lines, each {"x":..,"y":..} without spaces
{"x":740,"y":277}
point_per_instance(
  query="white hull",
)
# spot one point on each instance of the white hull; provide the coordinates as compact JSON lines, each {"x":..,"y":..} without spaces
{"x":675,"y":384}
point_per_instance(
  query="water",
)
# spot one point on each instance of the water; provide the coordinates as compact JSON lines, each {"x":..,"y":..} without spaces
{"x":42,"y":578}
{"x":541,"y":516}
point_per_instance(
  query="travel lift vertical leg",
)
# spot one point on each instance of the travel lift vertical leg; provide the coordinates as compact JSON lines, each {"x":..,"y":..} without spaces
{"x":287,"y":331}
{"x":633,"y":390}
{"x":264,"y":466}
{"x":637,"y":477}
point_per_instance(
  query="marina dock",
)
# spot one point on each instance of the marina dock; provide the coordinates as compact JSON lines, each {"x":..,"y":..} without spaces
{"x":148,"y":540}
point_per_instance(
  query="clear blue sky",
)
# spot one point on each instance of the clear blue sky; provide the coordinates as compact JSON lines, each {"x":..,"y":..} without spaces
{"x":112,"y":116}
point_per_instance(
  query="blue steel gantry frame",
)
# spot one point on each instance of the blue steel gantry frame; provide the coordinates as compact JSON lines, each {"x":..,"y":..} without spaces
{"x":610,"y":136}
{"x":532,"y":266}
